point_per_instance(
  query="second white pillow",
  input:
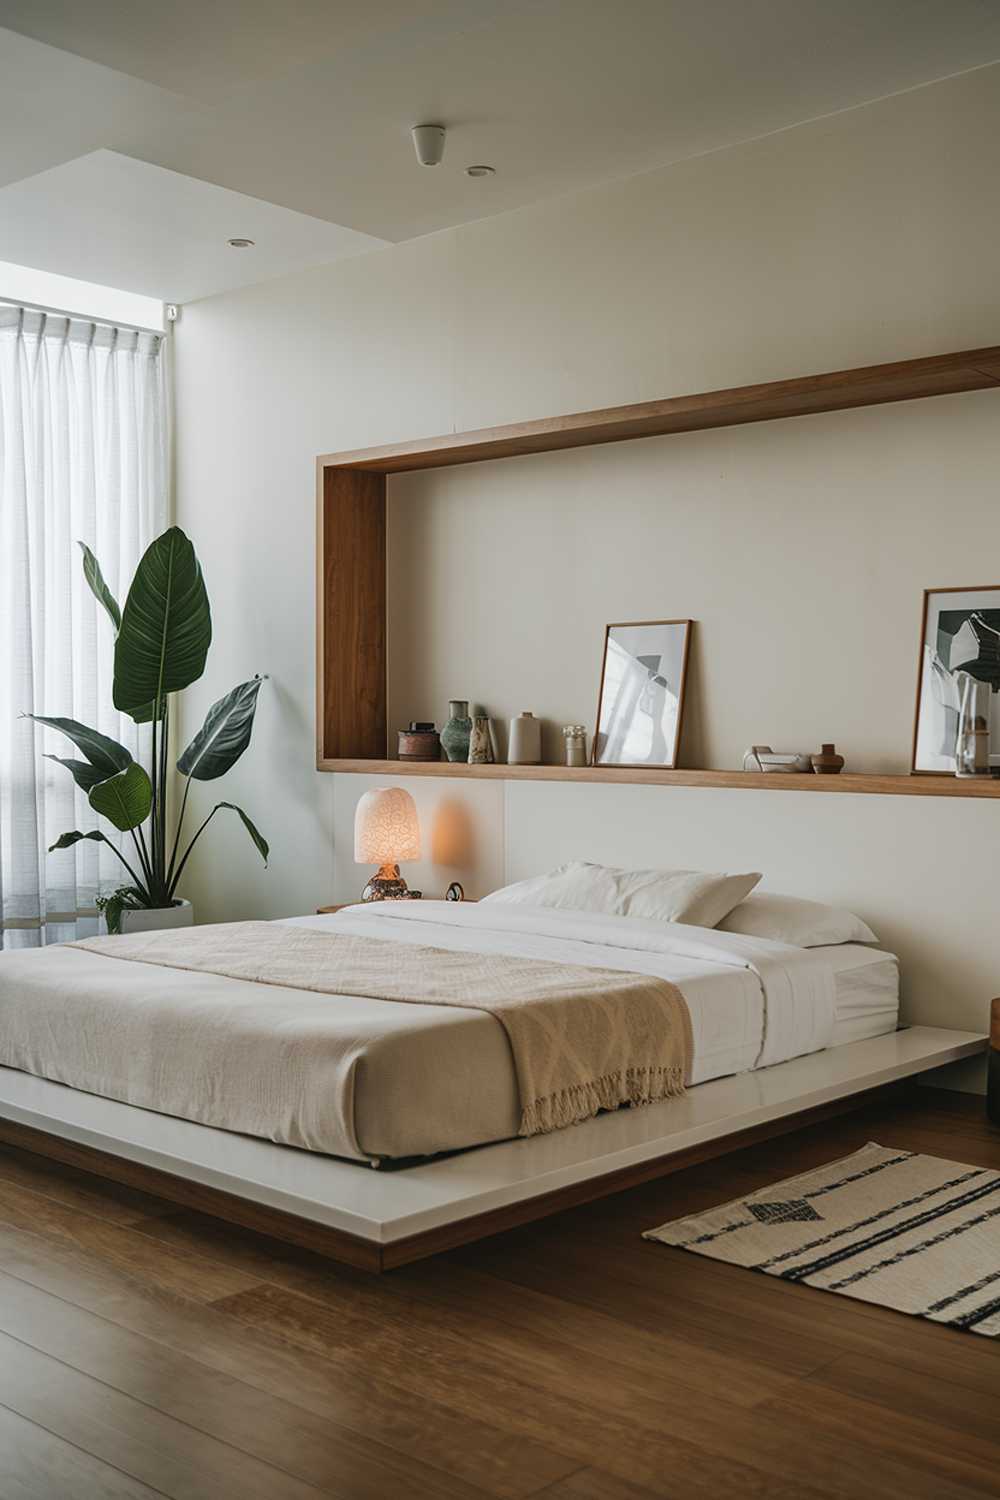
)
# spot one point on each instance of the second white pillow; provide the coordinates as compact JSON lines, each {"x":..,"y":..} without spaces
{"x":697,"y":898}
{"x":792,"y":919}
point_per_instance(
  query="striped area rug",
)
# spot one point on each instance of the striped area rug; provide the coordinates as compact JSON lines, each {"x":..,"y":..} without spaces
{"x":910,"y":1232}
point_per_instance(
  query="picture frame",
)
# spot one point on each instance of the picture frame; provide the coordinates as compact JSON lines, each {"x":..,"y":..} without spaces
{"x":640,"y":702}
{"x":947,"y":641}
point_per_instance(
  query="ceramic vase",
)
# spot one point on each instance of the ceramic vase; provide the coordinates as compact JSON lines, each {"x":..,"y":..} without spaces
{"x":525,"y":748}
{"x":480,"y":753}
{"x":828,"y":762}
{"x":457,"y":732}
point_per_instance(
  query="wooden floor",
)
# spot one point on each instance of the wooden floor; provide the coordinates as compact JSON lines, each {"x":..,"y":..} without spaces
{"x":146,"y":1351}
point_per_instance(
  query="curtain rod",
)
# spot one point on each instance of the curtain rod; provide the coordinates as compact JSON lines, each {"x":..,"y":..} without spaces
{"x":61,"y":312}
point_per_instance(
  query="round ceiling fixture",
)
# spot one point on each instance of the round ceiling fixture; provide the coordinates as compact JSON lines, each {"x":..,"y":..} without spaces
{"x":240,"y":244}
{"x":428,"y":143}
{"x":480,"y":171}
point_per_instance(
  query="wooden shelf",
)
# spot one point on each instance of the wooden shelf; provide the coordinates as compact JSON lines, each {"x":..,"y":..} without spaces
{"x":837,"y":390}
{"x":893,"y":786}
{"x":351,"y":710}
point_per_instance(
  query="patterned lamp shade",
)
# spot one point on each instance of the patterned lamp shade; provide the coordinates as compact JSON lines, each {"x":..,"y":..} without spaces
{"x":386,"y":831}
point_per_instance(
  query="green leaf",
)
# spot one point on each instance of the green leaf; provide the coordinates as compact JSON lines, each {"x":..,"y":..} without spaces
{"x":104,"y":754}
{"x":125,"y":898}
{"x":99,"y":589}
{"x":125,"y":799}
{"x":263,"y":848}
{"x":112,"y":909}
{"x":83,"y":774}
{"x":166,"y":628}
{"x":224,"y":735}
{"x":66,"y":840}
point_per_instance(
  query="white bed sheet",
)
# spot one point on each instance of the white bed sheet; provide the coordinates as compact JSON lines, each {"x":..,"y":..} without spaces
{"x":866,"y":993}
{"x":753,"y":1002}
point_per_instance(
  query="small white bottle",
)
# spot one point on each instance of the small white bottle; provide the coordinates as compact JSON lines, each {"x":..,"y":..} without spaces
{"x":525,"y":747}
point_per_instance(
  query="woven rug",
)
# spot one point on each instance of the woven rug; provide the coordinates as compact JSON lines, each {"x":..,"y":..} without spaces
{"x":910,"y":1232}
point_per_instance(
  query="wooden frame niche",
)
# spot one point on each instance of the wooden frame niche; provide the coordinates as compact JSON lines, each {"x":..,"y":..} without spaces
{"x":351,"y":711}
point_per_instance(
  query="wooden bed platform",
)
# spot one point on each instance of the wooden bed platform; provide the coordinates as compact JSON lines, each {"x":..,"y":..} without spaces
{"x":379,"y":1219}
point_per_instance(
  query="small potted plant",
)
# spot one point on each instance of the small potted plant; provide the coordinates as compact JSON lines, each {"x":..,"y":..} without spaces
{"x":162,"y":636}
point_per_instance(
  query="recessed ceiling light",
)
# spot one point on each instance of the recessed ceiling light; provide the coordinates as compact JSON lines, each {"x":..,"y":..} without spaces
{"x":480,"y":171}
{"x":240,"y":244}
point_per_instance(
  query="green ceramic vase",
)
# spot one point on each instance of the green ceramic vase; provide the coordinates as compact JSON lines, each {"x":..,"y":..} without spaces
{"x":455,"y":734}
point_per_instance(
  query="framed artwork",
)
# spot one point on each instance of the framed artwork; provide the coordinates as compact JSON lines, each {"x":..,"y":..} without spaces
{"x":640,"y":706}
{"x":960,"y":634}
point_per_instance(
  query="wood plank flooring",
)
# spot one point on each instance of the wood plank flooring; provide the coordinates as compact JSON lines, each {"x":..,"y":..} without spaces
{"x":146,"y":1351}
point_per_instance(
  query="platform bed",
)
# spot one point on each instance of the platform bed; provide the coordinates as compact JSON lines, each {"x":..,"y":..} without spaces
{"x":377,"y":1219}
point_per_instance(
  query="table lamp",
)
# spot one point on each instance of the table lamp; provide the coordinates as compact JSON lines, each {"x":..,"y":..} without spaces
{"x":386,"y":832}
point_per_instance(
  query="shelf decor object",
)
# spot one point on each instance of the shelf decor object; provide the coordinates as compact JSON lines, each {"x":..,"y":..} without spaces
{"x":480,"y":752}
{"x":958,"y":687}
{"x":351,"y":713}
{"x":419,"y":742}
{"x":386,"y":833}
{"x":640,"y":707}
{"x":524,"y":744}
{"x":575,"y":744}
{"x":827,"y":762}
{"x":457,"y":732}
{"x":776,"y":762}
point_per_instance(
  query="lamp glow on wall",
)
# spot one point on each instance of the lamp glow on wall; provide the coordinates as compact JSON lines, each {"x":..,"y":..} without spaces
{"x":387,"y":834}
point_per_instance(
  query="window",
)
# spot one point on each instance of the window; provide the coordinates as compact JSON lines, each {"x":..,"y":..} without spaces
{"x":83,"y":457}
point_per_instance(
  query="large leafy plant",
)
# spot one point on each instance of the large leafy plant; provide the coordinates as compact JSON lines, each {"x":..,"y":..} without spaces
{"x":162,"y":638}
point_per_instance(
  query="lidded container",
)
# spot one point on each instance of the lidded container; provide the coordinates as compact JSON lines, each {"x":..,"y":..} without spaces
{"x":575,"y":741}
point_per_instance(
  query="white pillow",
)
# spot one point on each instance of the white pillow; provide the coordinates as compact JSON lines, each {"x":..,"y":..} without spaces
{"x":789,"y":919}
{"x":691,"y":896}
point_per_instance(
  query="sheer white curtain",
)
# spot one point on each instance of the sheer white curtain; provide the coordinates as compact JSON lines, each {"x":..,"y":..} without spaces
{"x":82,"y":458}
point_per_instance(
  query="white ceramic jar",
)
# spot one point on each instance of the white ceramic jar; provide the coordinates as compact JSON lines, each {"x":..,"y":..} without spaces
{"x":525,"y":744}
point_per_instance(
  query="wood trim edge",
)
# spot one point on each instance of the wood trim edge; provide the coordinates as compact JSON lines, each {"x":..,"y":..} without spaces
{"x":495,"y":1221}
{"x":803,"y":395}
{"x":336,"y":1244}
{"x":910,"y":784}
{"x":366,"y":1255}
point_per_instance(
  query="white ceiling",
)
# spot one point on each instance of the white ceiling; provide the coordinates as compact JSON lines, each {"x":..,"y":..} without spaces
{"x":305,"y":107}
{"x":126,"y":223}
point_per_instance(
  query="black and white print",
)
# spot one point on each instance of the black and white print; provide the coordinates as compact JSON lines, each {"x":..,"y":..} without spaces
{"x":960,"y":647}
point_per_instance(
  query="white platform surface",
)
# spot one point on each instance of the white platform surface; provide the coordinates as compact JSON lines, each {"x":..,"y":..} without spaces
{"x":382,"y":1206}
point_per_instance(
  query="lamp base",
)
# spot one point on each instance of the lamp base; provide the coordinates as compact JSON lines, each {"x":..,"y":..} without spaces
{"x":387,"y":885}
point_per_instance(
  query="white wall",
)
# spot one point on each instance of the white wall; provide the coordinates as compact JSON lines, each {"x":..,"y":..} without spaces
{"x":867,"y":236}
{"x":801,"y":548}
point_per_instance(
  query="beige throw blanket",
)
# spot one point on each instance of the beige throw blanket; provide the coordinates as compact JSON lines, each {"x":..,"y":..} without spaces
{"x":582,"y":1039}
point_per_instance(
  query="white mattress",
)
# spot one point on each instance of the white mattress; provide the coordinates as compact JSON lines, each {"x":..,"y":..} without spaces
{"x":753,"y":1002}
{"x":866,"y":993}
{"x":418,"y":1079}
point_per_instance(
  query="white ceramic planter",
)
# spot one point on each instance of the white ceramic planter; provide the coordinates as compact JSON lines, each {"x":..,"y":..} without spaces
{"x":153,"y":919}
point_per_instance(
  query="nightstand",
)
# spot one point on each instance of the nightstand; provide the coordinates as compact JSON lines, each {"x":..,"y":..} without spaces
{"x":323,"y":911}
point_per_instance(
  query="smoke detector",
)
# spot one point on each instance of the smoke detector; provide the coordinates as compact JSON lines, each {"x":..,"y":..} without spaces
{"x":428,"y":143}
